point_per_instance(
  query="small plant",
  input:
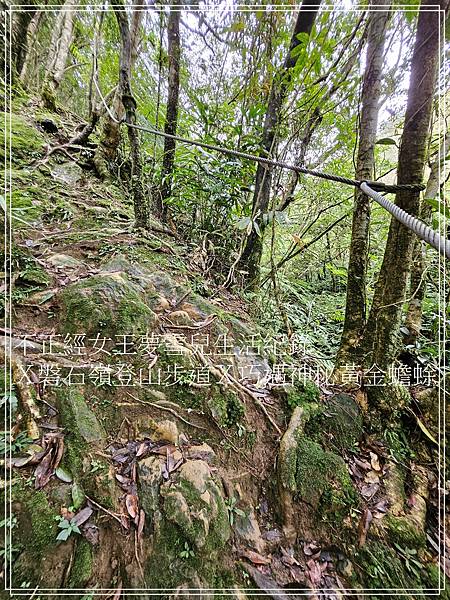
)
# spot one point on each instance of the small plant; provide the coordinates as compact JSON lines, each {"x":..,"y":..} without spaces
{"x":96,"y":466}
{"x":233,"y":510}
{"x":241,"y":430}
{"x":187,"y":552}
{"x":7,"y":552}
{"x":409,"y":557}
{"x":12,"y":446}
{"x":67,"y":527}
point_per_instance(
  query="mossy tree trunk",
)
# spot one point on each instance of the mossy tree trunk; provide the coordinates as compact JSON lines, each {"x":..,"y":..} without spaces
{"x":106,"y":152}
{"x":251,"y":254}
{"x":417,"y":288}
{"x":355,"y":312}
{"x":381,"y":335}
{"x":140,"y":200}
{"x":170,"y":127}
{"x":58,"y":54}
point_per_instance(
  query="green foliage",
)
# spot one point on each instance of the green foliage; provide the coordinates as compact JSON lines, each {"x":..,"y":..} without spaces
{"x":67,"y":527}
{"x":302,"y":393}
{"x":12,"y":446}
{"x":233,"y":510}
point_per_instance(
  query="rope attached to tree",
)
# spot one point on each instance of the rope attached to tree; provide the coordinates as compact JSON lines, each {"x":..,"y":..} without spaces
{"x":376,"y":185}
{"x":370,"y":188}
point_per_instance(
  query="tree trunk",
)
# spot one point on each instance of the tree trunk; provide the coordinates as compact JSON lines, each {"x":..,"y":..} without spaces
{"x":381,"y":335}
{"x":170,"y":127}
{"x":355,"y":307}
{"x":251,"y":254}
{"x":417,"y":288}
{"x":29,"y":63}
{"x":59,"y":52}
{"x":20,"y":22}
{"x":140,"y":201}
{"x":110,"y":135}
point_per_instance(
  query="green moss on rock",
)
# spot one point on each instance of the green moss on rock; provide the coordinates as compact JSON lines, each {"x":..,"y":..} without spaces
{"x":338,"y":425}
{"x":322,"y":479}
{"x":82,"y":429}
{"x":82,"y":568}
{"x":404,"y":533}
{"x":107,"y":303}
{"x":26,"y":141}
{"x":302,"y":393}
{"x":38,"y":528}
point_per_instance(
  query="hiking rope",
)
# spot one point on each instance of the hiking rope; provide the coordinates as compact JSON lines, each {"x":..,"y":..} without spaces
{"x":376,"y":185}
{"x":370,"y":188}
{"x":418,"y":227}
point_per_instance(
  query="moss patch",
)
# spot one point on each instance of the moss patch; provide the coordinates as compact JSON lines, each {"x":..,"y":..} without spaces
{"x":26,"y":141}
{"x":338,"y":425}
{"x":39,"y":529}
{"x":322,"y":480}
{"x":404,"y":533}
{"x":105,"y":303}
{"x":82,"y":430}
{"x":82,"y":567}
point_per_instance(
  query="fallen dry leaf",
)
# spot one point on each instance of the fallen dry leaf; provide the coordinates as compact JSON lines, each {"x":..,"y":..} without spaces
{"x":256,"y":558}
{"x":131,"y":502}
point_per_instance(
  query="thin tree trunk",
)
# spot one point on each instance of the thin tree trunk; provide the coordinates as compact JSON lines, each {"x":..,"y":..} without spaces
{"x":170,"y":126}
{"x":381,"y":335}
{"x":30,"y":58}
{"x":251,"y":254}
{"x":20,"y":22}
{"x":417,"y":288}
{"x":140,"y":201}
{"x":110,"y":134}
{"x":355,"y":307}
{"x":58,"y":55}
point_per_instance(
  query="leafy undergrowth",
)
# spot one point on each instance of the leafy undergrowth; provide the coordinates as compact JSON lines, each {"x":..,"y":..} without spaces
{"x":177,"y":482}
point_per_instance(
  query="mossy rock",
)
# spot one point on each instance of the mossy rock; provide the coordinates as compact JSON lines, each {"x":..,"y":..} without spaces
{"x":338,"y":425}
{"x":404,"y":533}
{"x":83,"y":434}
{"x":83,"y":563}
{"x":26,"y":140}
{"x":37,"y":525}
{"x":225,"y":406}
{"x":191,"y":530}
{"x":322,"y":479}
{"x":196,"y":505}
{"x":105,"y":303}
{"x":301,"y":393}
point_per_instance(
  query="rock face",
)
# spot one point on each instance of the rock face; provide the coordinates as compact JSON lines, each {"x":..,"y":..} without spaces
{"x":189,"y":521}
{"x":312,"y":480}
{"x":108,"y":303}
{"x":67,"y":172}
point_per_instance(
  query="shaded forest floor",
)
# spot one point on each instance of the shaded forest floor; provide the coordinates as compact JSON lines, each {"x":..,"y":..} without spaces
{"x":211,"y":477}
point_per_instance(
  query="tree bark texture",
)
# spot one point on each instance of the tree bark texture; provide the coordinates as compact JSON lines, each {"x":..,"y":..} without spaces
{"x":417,"y":288}
{"x":355,"y":312}
{"x":110,"y":132}
{"x":58,"y":54}
{"x":140,"y":201}
{"x":170,"y":126}
{"x":381,"y":335}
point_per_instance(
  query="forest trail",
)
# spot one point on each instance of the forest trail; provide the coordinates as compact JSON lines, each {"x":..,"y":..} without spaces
{"x":128,"y":448}
{"x":225,"y":362}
